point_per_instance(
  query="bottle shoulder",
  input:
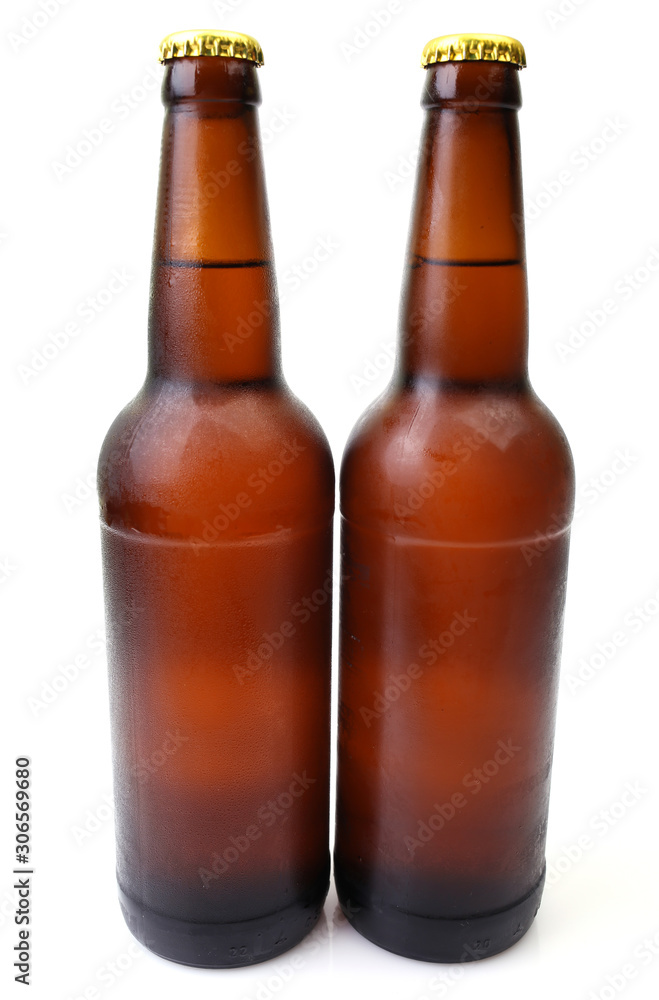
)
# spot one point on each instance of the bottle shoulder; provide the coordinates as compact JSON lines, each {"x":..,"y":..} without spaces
{"x":416,"y":420}
{"x":458,"y":462}
{"x":183,"y":451}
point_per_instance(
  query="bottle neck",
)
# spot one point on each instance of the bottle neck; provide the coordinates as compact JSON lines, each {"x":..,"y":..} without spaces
{"x":464,"y":314}
{"x":214,"y":314}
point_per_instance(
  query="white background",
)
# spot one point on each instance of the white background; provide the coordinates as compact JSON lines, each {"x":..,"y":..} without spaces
{"x":339,"y":169}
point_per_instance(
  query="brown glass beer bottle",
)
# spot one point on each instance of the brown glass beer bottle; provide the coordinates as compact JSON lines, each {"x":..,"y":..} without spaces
{"x":457,"y":496}
{"x":217,"y":492}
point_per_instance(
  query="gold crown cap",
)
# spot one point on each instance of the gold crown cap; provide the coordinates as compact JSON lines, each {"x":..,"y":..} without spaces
{"x":463,"y":48}
{"x":211,"y":42}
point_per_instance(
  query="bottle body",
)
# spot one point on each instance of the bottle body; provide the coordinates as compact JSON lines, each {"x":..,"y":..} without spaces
{"x":216,"y":489}
{"x":450,"y":638}
{"x":456,"y":500}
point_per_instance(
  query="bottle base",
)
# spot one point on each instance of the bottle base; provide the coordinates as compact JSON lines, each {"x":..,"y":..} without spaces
{"x":438,"y":939}
{"x":221,"y":945}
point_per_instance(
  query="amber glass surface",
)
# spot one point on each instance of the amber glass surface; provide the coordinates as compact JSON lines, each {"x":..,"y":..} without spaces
{"x":457,"y":495}
{"x":217,"y":492}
